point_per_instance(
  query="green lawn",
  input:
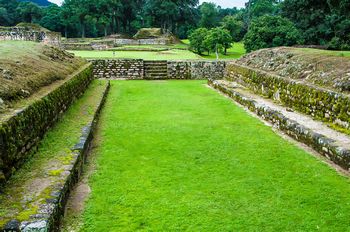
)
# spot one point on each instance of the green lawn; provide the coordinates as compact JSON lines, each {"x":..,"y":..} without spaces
{"x":178,"y":156}
{"x":173,"y":54}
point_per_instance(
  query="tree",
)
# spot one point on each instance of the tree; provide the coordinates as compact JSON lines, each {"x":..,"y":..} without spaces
{"x":218,"y":39}
{"x":4,"y":16}
{"x":234,"y":26}
{"x":209,"y":15}
{"x":320,"y":22}
{"x":52,"y":18}
{"x":29,"y":12}
{"x":169,"y":14}
{"x":196,"y":39}
{"x":271,"y":31}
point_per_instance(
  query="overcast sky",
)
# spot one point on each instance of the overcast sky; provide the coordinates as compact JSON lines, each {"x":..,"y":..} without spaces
{"x":223,"y":3}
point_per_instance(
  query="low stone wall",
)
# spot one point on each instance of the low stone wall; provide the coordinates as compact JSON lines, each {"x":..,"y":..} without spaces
{"x":155,"y":41}
{"x":196,"y":69}
{"x":21,"y":133}
{"x":321,"y":104}
{"x":322,"y":144}
{"x":23,"y":34}
{"x":53,"y":208}
{"x":77,"y":46}
{"x":126,"y":68}
{"x":96,"y":45}
{"x":180,"y":69}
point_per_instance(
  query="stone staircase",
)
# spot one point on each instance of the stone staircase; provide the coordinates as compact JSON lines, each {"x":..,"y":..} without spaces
{"x":155,"y":70}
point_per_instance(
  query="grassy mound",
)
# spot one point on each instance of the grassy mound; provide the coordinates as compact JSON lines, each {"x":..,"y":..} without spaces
{"x":32,"y":26}
{"x":25,"y":67}
{"x":146,"y":33}
{"x":323,"y":68}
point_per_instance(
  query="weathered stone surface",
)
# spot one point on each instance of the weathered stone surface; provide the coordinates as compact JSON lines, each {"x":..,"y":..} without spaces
{"x":116,"y":68}
{"x":51,"y":208}
{"x":25,"y":34}
{"x":322,"y":104}
{"x":142,"y":69}
{"x":21,"y":132}
{"x":322,"y":144}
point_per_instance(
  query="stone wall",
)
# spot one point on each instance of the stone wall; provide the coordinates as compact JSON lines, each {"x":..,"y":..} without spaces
{"x":155,"y":41}
{"x":126,"y":68}
{"x":322,"y":144}
{"x":320,"y":103}
{"x":24,"y":34}
{"x":180,"y":69}
{"x":21,"y":132}
{"x":196,"y":69}
{"x":70,"y":44}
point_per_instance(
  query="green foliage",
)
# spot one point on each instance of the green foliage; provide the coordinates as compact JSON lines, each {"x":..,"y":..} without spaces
{"x":322,"y":22}
{"x":234,"y":26}
{"x":218,"y":39}
{"x":209,"y":15}
{"x":29,"y":12}
{"x":271,"y":31}
{"x":196,"y":40}
{"x":258,"y":8}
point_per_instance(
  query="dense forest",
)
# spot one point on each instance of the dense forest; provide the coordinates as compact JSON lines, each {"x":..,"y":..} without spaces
{"x":262,"y":23}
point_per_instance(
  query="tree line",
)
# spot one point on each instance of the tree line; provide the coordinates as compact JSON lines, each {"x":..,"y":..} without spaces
{"x":94,"y":18}
{"x":272,"y":23}
{"x":261,"y":23}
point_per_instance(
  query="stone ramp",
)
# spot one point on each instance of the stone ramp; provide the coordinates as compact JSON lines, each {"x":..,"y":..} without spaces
{"x":316,"y":134}
{"x":35,"y":197}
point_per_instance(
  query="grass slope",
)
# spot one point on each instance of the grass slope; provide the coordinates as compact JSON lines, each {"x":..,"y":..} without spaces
{"x":177,"y":156}
{"x":173,"y":54}
{"x":26,"y":66}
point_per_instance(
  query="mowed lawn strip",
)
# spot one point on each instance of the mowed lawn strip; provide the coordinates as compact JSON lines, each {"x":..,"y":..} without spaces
{"x":178,"y":156}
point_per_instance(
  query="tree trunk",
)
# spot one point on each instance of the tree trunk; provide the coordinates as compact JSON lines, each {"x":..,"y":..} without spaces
{"x":225,"y":52}
{"x":105,"y":30}
{"x":82,"y":30}
{"x":216,"y":51}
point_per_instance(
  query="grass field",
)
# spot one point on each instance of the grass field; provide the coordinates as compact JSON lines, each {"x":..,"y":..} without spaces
{"x":177,"y":156}
{"x":162,"y":55}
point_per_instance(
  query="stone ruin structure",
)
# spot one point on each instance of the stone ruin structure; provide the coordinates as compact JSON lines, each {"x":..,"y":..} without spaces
{"x":148,"y":36}
{"x":30,"y":34}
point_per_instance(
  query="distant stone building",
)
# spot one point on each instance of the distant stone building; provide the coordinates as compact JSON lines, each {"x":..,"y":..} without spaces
{"x":27,"y":33}
{"x":148,"y":36}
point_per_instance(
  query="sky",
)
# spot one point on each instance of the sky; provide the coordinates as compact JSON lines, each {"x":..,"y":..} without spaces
{"x":222,"y":3}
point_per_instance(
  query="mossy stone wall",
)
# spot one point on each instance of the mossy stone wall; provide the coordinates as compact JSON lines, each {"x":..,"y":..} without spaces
{"x":320,"y":103}
{"x":21,"y":133}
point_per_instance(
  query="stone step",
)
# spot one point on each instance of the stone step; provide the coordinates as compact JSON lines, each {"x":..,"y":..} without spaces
{"x":155,"y":62}
{"x":334,"y":145}
{"x":156,"y":71}
{"x":156,"y":75}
